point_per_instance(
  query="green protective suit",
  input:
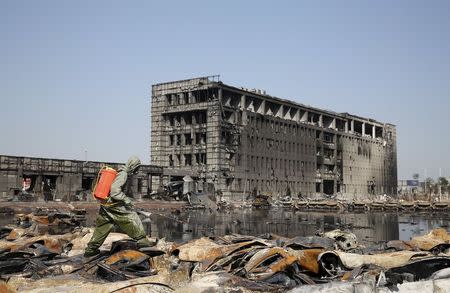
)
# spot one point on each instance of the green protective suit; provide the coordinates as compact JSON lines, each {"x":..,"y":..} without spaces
{"x":117,"y":211}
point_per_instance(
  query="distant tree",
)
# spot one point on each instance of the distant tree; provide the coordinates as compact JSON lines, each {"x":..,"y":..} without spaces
{"x":430,"y":185}
{"x":443,"y":182}
{"x":415,"y":176}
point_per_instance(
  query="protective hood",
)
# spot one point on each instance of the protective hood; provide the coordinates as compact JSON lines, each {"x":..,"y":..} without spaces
{"x":132,"y":164}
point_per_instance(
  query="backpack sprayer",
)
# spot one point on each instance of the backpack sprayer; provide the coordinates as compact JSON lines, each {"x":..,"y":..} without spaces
{"x":102,"y":186}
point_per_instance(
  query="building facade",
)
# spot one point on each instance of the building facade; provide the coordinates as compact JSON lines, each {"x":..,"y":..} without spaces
{"x":245,"y":140}
{"x":56,"y":179}
{"x":410,"y":187}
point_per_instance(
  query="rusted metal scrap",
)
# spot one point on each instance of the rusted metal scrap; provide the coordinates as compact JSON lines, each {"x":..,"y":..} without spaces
{"x":34,"y":256}
{"x":399,"y":245}
{"x":31,"y":259}
{"x":437,"y":240}
{"x":52,"y":217}
{"x":16,"y":233}
{"x":5,"y":231}
{"x":55,"y":243}
{"x":261,"y":263}
{"x":345,"y":240}
{"x":125,"y":265}
{"x":302,"y":242}
{"x":337,"y":262}
{"x":308,"y":259}
{"x":419,"y":269}
{"x":267,"y":262}
{"x":205,"y":249}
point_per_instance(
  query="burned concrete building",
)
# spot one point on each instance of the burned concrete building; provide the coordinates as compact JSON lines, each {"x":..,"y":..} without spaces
{"x":245,"y":141}
{"x":67,"y":180}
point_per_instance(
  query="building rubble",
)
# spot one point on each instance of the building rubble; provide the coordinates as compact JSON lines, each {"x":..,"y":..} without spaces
{"x":32,"y":261}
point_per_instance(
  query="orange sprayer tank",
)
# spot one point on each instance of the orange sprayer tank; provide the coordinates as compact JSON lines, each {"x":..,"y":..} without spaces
{"x":104,"y":182}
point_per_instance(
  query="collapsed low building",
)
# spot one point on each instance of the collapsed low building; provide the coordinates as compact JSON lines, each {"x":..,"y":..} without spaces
{"x":245,"y":140}
{"x":56,"y":179}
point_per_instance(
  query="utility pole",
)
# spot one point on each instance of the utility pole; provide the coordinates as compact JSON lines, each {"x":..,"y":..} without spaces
{"x":440,"y":187}
{"x":425,"y":181}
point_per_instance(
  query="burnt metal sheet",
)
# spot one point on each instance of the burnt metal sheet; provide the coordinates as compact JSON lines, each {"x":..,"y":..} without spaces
{"x":436,"y":237}
{"x":301,"y":242}
{"x":206,"y":249}
{"x":350,"y":261}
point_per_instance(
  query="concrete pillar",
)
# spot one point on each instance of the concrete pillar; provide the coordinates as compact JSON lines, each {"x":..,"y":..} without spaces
{"x":363,"y":128}
{"x":373,"y":131}
{"x":156,"y":182}
{"x":181,"y":98}
{"x":220,"y":95}
{"x":346,"y":126}
{"x":242,"y":104}
{"x":135,"y":192}
{"x":61,"y":190}
{"x":38,"y":186}
{"x":175,"y":100}
{"x":352,"y":125}
{"x":244,"y":117}
{"x":321,"y":120}
{"x":149,"y":183}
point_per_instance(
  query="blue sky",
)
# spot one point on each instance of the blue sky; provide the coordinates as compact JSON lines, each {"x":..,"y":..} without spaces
{"x":76,"y":75}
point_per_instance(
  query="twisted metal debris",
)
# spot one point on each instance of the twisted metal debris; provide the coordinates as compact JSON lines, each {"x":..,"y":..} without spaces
{"x":269,"y":263}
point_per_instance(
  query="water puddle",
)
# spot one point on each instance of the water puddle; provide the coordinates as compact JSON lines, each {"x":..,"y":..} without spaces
{"x":192,"y":224}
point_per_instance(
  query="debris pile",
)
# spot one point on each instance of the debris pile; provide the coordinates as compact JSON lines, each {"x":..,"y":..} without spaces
{"x":124,"y":262}
{"x":278,"y":263}
{"x":375,"y":206}
{"x":332,"y":261}
{"x":35,"y":256}
{"x":52,"y":217}
{"x":47,"y":256}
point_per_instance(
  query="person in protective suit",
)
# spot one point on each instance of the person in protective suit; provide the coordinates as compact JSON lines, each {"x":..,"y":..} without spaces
{"x":116,"y":210}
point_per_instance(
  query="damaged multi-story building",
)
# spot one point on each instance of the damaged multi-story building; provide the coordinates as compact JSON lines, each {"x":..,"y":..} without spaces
{"x":247,"y":141}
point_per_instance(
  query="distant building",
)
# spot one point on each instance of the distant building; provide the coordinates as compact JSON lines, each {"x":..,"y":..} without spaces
{"x":245,"y":140}
{"x":411,"y":186}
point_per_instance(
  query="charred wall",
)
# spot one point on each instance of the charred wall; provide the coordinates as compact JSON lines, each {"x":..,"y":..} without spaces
{"x":54,"y":179}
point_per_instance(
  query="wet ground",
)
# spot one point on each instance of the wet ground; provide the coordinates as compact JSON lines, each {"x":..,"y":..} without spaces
{"x":180,"y":225}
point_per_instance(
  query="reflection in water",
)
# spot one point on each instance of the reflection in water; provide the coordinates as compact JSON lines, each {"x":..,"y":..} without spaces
{"x":368,"y":227}
{"x":418,"y":224}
